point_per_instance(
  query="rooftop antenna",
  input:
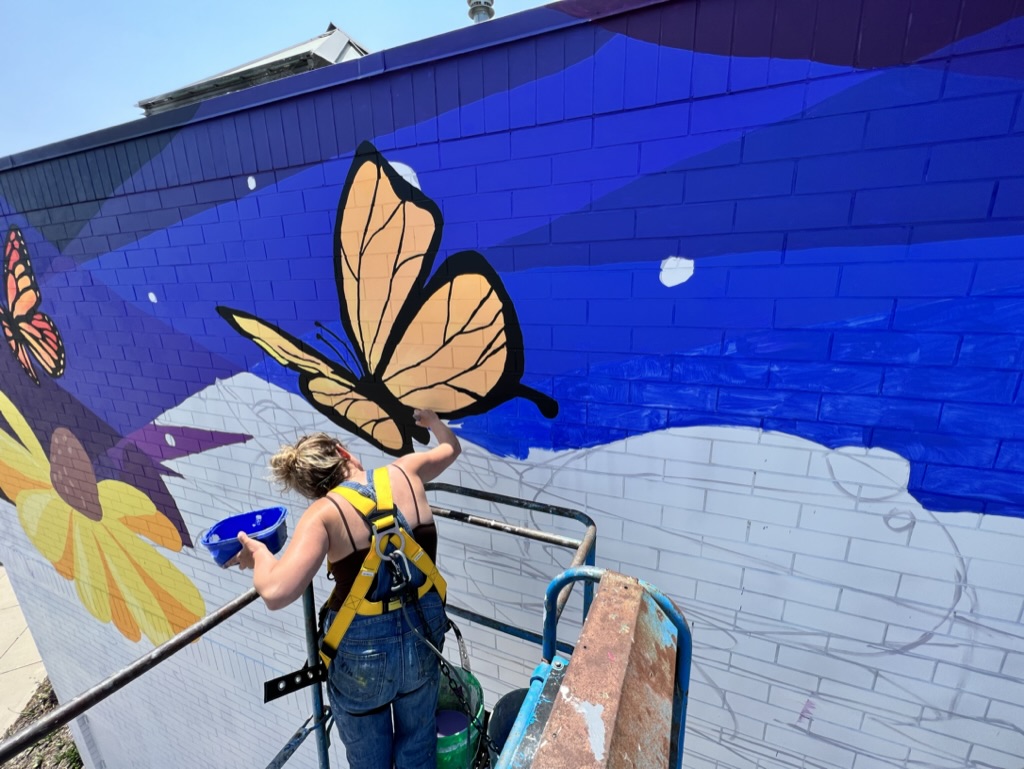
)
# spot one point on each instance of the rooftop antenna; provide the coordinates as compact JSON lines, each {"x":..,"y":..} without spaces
{"x":480,"y":10}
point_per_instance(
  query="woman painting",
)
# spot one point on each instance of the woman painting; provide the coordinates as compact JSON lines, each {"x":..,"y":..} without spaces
{"x":383,"y":682}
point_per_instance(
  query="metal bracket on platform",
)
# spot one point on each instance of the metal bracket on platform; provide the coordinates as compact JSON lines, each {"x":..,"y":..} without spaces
{"x":292,"y":682}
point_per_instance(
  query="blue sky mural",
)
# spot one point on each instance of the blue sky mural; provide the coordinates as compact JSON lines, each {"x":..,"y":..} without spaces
{"x":854,"y":224}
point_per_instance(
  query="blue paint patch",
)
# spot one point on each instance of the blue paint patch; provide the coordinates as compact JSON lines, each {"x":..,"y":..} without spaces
{"x":817,"y":306}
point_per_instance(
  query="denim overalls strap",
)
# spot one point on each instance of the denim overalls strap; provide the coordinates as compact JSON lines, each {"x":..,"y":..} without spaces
{"x":378,"y":590}
{"x":369,"y":491}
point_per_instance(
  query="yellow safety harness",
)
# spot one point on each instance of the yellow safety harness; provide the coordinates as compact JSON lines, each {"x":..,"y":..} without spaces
{"x":392,"y":546}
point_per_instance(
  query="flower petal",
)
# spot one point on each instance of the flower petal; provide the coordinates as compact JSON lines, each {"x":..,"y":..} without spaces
{"x":21,"y":429}
{"x":138,"y":602}
{"x":135,"y":511}
{"x":19,"y":469}
{"x":90,"y":570}
{"x":16,"y":475}
{"x":46,"y":519}
{"x":120,"y":612}
{"x":163,"y":600}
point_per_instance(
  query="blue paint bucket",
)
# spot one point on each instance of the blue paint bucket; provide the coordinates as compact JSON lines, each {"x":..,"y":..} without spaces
{"x":269,"y":526}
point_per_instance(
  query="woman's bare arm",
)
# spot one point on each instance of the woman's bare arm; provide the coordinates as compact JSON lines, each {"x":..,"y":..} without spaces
{"x":427,"y":465}
{"x":281,"y":581}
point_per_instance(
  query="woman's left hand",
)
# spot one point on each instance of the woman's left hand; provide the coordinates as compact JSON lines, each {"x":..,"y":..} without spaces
{"x":246,"y":559}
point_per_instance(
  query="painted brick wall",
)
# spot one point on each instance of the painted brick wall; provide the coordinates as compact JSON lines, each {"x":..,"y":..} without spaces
{"x":764,"y":256}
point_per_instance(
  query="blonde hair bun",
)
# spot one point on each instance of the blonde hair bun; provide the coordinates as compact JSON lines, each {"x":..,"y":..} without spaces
{"x":312,"y":466}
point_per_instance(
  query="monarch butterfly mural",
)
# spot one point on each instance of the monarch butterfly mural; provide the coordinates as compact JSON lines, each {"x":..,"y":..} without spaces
{"x":451,"y":343}
{"x":29,"y":333}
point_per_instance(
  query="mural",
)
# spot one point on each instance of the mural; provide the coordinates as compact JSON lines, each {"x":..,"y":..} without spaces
{"x":90,"y":530}
{"x":742,"y":280}
{"x":91,"y":533}
{"x":452,"y":345}
{"x":26,"y":329}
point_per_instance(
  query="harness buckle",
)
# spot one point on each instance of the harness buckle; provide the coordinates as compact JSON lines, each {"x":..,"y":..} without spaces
{"x":395,"y":559}
{"x":381,"y":538}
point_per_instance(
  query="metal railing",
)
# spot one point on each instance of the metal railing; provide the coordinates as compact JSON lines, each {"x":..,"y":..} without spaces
{"x":55,"y":719}
{"x":584,"y":549}
{"x":583,"y":555}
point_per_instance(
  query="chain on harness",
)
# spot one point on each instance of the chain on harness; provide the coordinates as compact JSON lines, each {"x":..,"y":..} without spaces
{"x":481,"y":760}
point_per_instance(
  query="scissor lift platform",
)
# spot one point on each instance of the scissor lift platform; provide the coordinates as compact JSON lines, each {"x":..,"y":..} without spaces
{"x":620,"y":701}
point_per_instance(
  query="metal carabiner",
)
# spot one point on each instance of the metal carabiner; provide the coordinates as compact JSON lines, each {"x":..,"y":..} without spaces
{"x":381,"y":539}
{"x":401,"y":574}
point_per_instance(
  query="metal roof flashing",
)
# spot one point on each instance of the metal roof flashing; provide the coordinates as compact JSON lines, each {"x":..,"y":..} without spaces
{"x":330,"y":47}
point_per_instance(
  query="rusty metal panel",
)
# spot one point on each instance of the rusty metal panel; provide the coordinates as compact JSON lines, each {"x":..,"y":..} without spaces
{"x":614,"y":707}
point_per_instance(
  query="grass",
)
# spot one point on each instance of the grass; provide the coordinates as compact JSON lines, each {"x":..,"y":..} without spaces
{"x":55,"y":751}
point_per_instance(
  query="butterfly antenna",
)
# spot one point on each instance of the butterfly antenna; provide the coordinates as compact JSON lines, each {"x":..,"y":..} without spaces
{"x":334,"y":350}
{"x":350,"y":357}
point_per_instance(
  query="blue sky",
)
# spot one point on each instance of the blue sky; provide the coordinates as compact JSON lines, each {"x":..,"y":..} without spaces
{"x":72,"y":68}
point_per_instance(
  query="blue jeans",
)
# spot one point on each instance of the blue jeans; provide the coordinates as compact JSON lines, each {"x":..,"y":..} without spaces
{"x":383,"y":684}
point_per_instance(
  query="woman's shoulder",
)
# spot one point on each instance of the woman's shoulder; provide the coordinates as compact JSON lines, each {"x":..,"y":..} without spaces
{"x":400,"y":469}
{"x":321,"y":508}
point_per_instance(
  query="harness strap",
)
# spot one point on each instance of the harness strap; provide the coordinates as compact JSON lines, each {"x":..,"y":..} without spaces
{"x":382,"y":485}
{"x":364,"y":505}
{"x":380,"y":519}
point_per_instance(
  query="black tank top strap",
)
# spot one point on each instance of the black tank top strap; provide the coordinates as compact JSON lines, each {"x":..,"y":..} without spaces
{"x":412,"y":491}
{"x":344,"y":521}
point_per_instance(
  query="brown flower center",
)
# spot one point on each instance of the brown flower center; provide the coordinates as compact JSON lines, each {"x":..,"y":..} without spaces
{"x":72,"y":475}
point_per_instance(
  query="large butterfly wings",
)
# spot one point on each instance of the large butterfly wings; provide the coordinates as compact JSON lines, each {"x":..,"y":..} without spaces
{"x":330,"y":388}
{"x":452,"y":344}
{"x":458,"y":347}
{"x":26,"y":329}
{"x":386,"y":235}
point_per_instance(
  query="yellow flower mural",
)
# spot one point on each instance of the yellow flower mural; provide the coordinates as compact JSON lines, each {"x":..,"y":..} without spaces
{"x":92,"y":533}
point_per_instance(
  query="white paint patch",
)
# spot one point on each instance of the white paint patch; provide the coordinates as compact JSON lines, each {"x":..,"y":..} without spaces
{"x":808,"y":573}
{"x":169,"y":439}
{"x":251,"y":182}
{"x":152,"y":297}
{"x":676,"y":270}
{"x":407,"y":173}
{"x":592,"y":718}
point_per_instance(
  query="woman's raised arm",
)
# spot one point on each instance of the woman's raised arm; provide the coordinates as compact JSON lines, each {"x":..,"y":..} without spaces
{"x":427,"y":465}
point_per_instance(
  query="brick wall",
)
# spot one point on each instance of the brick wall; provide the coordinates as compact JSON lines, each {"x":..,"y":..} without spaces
{"x":766,"y":259}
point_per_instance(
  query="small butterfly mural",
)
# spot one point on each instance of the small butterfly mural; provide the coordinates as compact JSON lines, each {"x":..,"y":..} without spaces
{"x":29,"y":333}
{"x":451,"y":343}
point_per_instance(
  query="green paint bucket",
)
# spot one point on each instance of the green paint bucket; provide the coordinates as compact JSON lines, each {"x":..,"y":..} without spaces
{"x":457,"y":737}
